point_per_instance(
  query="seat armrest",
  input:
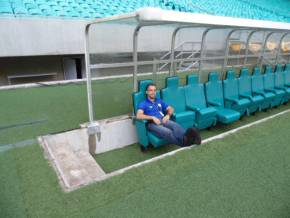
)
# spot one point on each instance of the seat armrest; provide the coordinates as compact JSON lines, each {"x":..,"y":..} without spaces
{"x":231,"y":100}
{"x":142,"y":132}
{"x":270,"y":90}
{"x":281,"y":88}
{"x":247,"y":97}
{"x":259,"y":93}
{"x":193,"y":108}
{"x":212,"y":103}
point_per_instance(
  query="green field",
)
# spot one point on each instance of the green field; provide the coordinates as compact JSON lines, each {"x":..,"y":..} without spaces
{"x":246,"y":174}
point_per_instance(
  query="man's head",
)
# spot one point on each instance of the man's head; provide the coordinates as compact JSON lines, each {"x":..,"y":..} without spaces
{"x":151,"y":91}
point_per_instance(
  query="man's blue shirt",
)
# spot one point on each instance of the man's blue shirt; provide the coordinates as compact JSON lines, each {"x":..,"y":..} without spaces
{"x":156,"y":109}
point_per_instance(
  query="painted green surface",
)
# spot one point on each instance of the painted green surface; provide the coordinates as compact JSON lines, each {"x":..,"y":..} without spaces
{"x":246,"y":174}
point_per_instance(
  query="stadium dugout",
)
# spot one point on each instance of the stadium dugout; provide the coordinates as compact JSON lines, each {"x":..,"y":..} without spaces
{"x":100,"y":136}
{"x":176,"y":21}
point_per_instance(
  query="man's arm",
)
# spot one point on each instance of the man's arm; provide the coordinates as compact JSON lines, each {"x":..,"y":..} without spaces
{"x":169,"y":113}
{"x":141,"y":116}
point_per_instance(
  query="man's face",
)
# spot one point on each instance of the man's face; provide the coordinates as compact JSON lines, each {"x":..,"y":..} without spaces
{"x":151,"y":92}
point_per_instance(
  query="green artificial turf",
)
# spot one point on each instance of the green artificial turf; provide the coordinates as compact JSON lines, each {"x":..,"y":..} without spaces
{"x":26,"y":113}
{"x":131,"y":154}
{"x":246,"y":174}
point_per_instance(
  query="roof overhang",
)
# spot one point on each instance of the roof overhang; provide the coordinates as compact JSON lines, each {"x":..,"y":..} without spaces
{"x":156,"y":16}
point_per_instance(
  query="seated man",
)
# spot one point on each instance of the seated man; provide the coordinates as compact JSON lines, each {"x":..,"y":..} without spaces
{"x":158,"y":113}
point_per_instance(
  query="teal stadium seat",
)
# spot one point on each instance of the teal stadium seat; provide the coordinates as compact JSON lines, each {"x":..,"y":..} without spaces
{"x":286,"y":74}
{"x":195,"y":100}
{"x":231,"y":95}
{"x":245,"y":91}
{"x":258,"y":89}
{"x":269,"y":85}
{"x":214,"y":97}
{"x":145,"y":137}
{"x":174,"y":96}
{"x":280,"y":83}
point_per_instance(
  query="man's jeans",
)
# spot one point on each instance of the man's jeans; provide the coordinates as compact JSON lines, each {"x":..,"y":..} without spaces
{"x":170,"y":131}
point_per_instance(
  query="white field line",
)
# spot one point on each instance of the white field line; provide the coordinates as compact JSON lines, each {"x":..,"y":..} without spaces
{"x":220,"y":136}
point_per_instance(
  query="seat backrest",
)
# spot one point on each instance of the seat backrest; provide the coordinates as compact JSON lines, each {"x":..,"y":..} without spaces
{"x":141,"y":94}
{"x":257,"y":81}
{"x":287,"y":74}
{"x":173,"y":94}
{"x":279,"y":68}
{"x":194,"y":92}
{"x":244,"y":82}
{"x":269,"y":81}
{"x":230,"y":86}
{"x":214,"y":89}
{"x":279,"y":77}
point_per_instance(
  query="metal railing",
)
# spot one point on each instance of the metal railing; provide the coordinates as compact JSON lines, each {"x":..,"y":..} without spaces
{"x":185,"y":54}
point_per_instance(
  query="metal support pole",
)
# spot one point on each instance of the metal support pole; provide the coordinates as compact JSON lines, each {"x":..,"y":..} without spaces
{"x":204,"y":34}
{"x":88,"y":75}
{"x":227,"y":49}
{"x":247,"y":46}
{"x":279,"y":47}
{"x":173,"y":40}
{"x":264,"y":48}
{"x":135,"y":57}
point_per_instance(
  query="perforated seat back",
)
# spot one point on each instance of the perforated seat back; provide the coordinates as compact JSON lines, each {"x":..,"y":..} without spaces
{"x":174,"y":95}
{"x":230,"y":86}
{"x":244,"y":82}
{"x":214,"y":89}
{"x":194,"y":92}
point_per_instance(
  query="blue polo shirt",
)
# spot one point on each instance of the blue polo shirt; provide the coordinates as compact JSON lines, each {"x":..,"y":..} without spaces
{"x":156,"y":109}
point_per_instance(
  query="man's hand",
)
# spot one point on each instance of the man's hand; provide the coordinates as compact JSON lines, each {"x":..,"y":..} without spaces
{"x":156,"y":121}
{"x":165,"y":119}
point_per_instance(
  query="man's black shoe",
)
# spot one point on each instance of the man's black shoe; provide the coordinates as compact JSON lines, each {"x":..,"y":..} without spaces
{"x":197,"y":138}
{"x":191,"y":136}
{"x":188,"y":137}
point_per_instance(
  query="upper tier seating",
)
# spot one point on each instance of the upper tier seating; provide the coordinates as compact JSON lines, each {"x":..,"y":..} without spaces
{"x":90,"y":9}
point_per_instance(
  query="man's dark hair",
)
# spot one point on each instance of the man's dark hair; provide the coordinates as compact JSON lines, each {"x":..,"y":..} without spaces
{"x":150,"y":84}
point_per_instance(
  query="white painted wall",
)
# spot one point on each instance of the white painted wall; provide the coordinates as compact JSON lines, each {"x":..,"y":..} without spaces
{"x":39,"y":36}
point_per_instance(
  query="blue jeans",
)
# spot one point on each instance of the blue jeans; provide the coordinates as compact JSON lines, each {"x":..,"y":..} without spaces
{"x":170,"y":131}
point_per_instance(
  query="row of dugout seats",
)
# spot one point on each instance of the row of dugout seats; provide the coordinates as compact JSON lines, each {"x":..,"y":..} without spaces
{"x":203,"y":105}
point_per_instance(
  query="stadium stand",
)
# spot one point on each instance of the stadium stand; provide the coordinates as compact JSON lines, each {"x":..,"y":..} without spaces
{"x":90,"y":9}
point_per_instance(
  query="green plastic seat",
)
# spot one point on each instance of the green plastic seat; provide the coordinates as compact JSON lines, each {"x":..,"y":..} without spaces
{"x":245,"y":91}
{"x":214,"y":98}
{"x":145,"y":137}
{"x":231,"y":95}
{"x":258,"y":89}
{"x":195,"y":100}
